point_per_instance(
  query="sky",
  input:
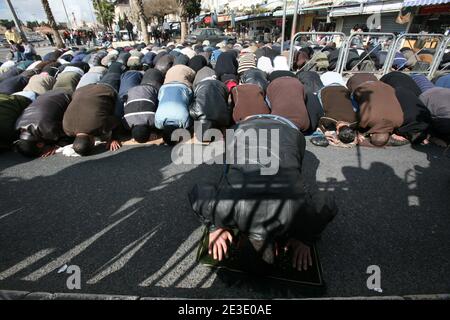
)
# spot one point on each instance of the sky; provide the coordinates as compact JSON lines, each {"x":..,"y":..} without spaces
{"x":30,"y":10}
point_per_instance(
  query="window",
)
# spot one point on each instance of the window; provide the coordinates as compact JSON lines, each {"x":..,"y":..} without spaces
{"x":197,"y":32}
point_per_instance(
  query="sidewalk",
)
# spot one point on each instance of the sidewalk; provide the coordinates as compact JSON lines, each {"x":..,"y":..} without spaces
{"x":23,"y":295}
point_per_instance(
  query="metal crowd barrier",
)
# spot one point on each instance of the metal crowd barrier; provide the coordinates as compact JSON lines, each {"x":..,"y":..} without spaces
{"x":380,"y":42}
{"x":439,"y":56}
{"x":410,"y":40}
{"x":315,"y":34}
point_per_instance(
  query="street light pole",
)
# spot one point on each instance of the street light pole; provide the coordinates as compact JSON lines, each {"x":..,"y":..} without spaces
{"x":17,"y":21}
{"x":283,"y":27}
{"x":293,"y":32}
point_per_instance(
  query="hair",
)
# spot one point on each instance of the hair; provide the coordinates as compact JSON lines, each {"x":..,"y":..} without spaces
{"x":167,"y":135}
{"x":379,"y":139}
{"x":141,"y":133}
{"x":28,"y":148}
{"x":83,"y":145}
{"x":346,"y":134}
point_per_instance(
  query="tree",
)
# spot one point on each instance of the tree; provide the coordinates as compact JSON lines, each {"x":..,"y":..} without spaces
{"x":53,"y":25}
{"x":160,"y":8}
{"x":189,"y":9}
{"x":32,"y":24}
{"x":104,"y":10}
{"x":138,"y":7}
{"x":6,"y":23}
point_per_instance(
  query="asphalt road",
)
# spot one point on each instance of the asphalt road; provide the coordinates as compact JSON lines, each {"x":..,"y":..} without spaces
{"x":125,"y":220}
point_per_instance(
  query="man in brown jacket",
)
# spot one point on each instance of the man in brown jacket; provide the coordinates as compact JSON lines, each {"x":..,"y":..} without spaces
{"x":286,"y":96}
{"x":380,"y":113}
{"x":90,"y":115}
{"x":338,"y":114}
{"x":248,"y":100}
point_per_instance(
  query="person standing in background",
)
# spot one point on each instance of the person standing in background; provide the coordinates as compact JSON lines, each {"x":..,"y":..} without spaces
{"x":129,"y":26}
{"x":14,"y":39}
{"x":12,"y":35}
{"x":50,"y":38}
{"x":117,"y":31}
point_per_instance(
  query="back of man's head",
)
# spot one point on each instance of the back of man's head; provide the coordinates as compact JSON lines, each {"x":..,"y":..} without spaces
{"x":83,"y":145}
{"x":346,"y":135}
{"x":167,"y":135}
{"x":379,"y":139}
{"x":28,"y":148}
{"x":141,"y":133}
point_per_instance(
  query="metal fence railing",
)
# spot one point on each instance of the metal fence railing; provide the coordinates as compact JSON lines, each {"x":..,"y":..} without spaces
{"x":436,"y":66}
{"x":319,"y":40}
{"x":424,"y":48}
{"x":425,"y":52}
{"x":374,"y":47}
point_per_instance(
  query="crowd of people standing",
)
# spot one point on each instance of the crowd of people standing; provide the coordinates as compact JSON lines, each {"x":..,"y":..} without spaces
{"x":69,"y":99}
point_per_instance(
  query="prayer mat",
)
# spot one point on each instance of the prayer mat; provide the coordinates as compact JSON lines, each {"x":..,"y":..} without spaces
{"x":281,"y":272}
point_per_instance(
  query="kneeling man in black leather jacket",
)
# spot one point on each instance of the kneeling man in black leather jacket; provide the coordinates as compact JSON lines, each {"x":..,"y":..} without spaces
{"x":270,"y":207}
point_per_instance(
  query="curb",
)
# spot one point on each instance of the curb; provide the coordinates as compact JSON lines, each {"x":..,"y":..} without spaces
{"x":24,"y":295}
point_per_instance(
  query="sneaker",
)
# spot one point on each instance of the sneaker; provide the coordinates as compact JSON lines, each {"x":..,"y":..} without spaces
{"x":320,"y":141}
{"x":397,"y":143}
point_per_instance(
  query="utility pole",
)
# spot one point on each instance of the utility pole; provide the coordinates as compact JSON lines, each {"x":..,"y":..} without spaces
{"x":75,"y":24}
{"x":69,"y":24}
{"x":94,"y":20}
{"x":17,"y":21}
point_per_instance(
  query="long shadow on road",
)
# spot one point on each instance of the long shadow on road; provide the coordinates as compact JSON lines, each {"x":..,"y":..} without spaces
{"x":126,"y":222}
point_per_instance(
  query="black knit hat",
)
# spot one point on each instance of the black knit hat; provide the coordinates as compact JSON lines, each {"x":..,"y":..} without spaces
{"x":141,"y":133}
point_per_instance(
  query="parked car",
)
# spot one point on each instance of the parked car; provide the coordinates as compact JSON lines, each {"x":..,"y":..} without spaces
{"x":213,"y":35}
{"x":3,"y":42}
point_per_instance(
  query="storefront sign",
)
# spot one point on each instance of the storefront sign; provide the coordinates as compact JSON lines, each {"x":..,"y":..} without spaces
{"x":224,"y":18}
{"x":443,"y":8}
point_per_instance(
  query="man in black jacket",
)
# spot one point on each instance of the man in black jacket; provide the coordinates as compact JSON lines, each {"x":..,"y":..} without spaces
{"x":210,"y":106}
{"x":272,"y":211}
{"x":40,"y":126}
{"x":139,"y":111}
{"x":129,"y":26}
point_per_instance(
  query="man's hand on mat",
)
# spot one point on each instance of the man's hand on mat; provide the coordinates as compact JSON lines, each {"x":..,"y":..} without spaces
{"x":113,"y":145}
{"x":49,"y":152}
{"x":218,"y":246}
{"x":301,"y":255}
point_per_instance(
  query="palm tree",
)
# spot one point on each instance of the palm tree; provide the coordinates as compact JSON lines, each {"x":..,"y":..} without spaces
{"x":138,"y":5}
{"x":104,"y":10}
{"x":53,"y":25}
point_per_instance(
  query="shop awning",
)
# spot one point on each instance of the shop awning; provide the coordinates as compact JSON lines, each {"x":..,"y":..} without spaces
{"x":365,"y":9}
{"x":273,"y":5}
{"x":418,"y":3}
{"x":382,"y":7}
{"x":345,"y":11}
{"x":290,"y":12}
{"x":252,"y":16}
{"x":241,"y":18}
{"x":317,"y":8}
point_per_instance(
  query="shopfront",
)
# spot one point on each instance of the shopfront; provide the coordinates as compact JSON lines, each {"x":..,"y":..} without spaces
{"x":260,"y":27}
{"x":366,"y":15}
{"x":430,"y":18}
